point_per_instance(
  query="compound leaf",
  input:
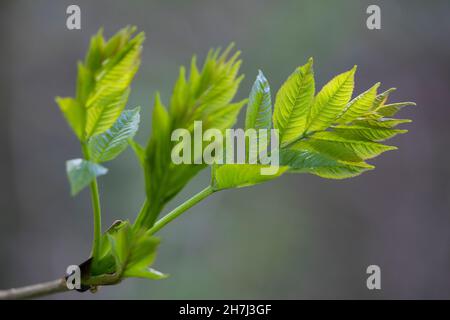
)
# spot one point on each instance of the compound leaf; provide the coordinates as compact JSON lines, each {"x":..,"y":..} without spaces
{"x":103,"y":83}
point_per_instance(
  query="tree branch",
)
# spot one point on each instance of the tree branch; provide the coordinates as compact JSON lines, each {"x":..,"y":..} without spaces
{"x":34,"y":291}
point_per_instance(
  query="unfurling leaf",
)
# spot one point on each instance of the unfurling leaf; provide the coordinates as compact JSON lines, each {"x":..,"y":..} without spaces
{"x":204,"y":95}
{"x":81,"y":173}
{"x":133,"y":251}
{"x":259,"y":107}
{"x":147,"y":273}
{"x":108,"y":145}
{"x":103,"y":83}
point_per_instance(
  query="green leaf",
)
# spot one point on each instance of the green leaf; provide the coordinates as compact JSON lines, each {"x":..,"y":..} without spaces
{"x":141,"y":256}
{"x":331,"y":101}
{"x":158,"y":150}
{"x":205,"y":92}
{"x":224,"y":118}
{"x":103,"y":82}
{"x":259,"y":108}
{"x":390,"y":110}
{"x":74,"y":114}
{"x":121,"y":239}
{"x":139,"y":151}
{"x":381,"y":123}
{"x":81,"y":173}
{"x":85,"y":84}
{"x":359,"y":106}
{"x":205,"y":95}
{"x":134,"y":252}
{"x":381,"y":99}
{"x":293,"y":103}
{"x":218,"y":83}
{"x":108,"y":145}
{"x":147,"y":273}
{"x":367,"y":132}
{"x":344,"y":148}
{"x":307,"y":161}
{"x":241,"y":175}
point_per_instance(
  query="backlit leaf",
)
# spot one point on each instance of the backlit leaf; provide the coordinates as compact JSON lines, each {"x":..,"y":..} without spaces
{"x":359,"y":105}
{"x":331,"y":101}
{"x":242,"y":175}
{"x":108,"y":145}
{"x":259,"y":108}
{"x":307,"y":161}
{"x":293,"y":102}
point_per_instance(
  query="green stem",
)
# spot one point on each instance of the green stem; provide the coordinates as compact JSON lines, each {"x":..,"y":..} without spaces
{"x":95,"y":198}
{"x":180,"y":209}
{"x":97,"y":218}
{"x":141,"y":215}
{"x":147,"y":215}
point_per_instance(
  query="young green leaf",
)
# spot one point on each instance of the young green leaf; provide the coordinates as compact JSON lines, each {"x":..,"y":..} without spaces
{"x":380,"y":123}
{"x":74,"y":113}
{"x":120,"y":239}
{"x":390,"y":110}
{"x":103,"y":83}
{"x":139,"y":152}
{"x":241,"y":175}
{"x":330,"y":101}
{"x":359,"y":106}
{"x":133,"y":252}
{"x":259,"y":108}
{"x":293,"y":103}
{"x":339,"y":147}
{"x":108,"y":145}
{"x":225,"y":117}
{"x":81,"y":173}
{"x":366,"y":132}
{"x":204,"y":96}
{"x":146,"y":273}
{"x":142,"y":256}
{"x":111,"y":91}
{"x":381,"y":99}
{"x":308,"y":161}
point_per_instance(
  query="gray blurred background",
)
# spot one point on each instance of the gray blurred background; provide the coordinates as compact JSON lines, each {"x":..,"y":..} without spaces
{"x":297,"y":237}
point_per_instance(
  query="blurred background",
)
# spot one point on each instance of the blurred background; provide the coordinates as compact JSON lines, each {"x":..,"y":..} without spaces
{"x":297,"y":237}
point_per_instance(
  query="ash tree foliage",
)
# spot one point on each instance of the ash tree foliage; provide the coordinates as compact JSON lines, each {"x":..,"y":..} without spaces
{"x":326,"y":132}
